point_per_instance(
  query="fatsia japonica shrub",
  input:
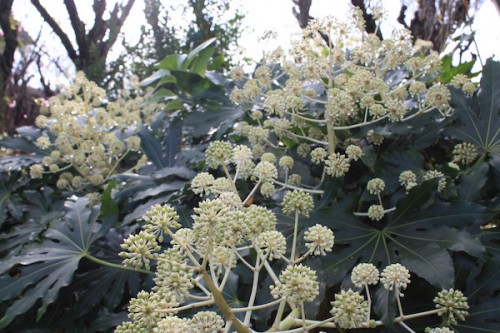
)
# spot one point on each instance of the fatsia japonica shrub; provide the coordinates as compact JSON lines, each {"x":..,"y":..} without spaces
{"x":343,"y":200}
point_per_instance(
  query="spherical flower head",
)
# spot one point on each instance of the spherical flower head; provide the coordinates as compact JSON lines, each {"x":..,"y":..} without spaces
{"x":286,"y":162}
{"x":298,"y":201}
{"x":41,"y":121}
{"x":134,"y":143}
{"x":438,"y":96}
{"x":377,"y":111}
{"x":272,"y":243}
{"x":452,"y":305}
{"x":260,"y":219}
{"x":337,"y":165}
{"x":459,"y":80}
{"x":268,"y":157}
{"x":374,"y":138}
{"x":354,"y":152}
{"x":160,"y":219}
{"x":464,"y":153}
{"x":172,"y":324}
{"x":202,"y":183}
{"x":221,"y":185}
{"x":408,"y":179}
{"x":265,"y":171}
{"x":173,"y":277}
{"x":350,"y":310}
{"x":62,"y":183}
{"x":142,"y":309}
{"x":318,"y":155}
{"x":241,"y":154}
{"x":237,"y":74}
{"x":267,"y":189}
{"x":36,"y":171}
{"x":375,"y":186}
{"x":294,"y":179}
{"x":230,"y":199}
{"x":303,"y":149}
{"x":223,"y":258}
{"x":207,"y":322}
{"x":364,"y":274}
{"x":376,"y":212}
{"x":417,"y":88}
{"x":218,"y":153}
{"x":469,"y":88}
{"x":256,"y":115}
{"x":296,"y":284}
{"x":138,"y":248}
{"x":42,"y":142}
{"x":96,"y":179}
{"x":431,"y":174}
{"x":235,"y":228}
{"x":319,"y":239}
{"x":55,"y":168}
{"x":184,"y":237}
{"x":395,"y":276}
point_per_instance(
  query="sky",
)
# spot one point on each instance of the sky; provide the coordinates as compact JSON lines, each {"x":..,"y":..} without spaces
{"x":261,"y":16}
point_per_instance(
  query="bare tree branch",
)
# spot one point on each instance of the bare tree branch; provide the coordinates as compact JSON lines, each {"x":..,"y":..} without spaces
{"x":57,"y":29}
{"x":79,"y":29}
{"x":301,"y":12}
{"x":115,"y":23}
{"x":10,"y":37}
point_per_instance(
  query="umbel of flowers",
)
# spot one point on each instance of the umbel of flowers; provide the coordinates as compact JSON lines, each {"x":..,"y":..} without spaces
{"x":88,"y":137}
{"x":299,"y":106}
{"x":193,"y":264}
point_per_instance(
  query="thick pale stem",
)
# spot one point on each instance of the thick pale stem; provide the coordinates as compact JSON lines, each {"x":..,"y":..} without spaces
{"x":117,"y":266}
{"x":369,"y":301}
{"x":295,"y":232}
{"x":223,"y":306}
{"x":228,"y":176}
{"x":251,"y":301}
{"x":279,"y":314}
{"x":250,"y":195}
{"x":400,"y":307}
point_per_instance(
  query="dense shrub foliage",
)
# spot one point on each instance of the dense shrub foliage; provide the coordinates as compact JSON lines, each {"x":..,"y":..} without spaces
{"x":351,"y":185}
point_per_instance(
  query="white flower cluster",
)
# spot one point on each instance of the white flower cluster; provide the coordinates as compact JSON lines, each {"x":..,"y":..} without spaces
{"x":87,"y":137}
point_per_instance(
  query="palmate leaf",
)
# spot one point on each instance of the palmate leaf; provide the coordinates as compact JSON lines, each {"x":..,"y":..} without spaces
{"x":479,"y":117}
{"x":482,"y":293}
{"x":420,"y":240}
{"x":42,"y":270}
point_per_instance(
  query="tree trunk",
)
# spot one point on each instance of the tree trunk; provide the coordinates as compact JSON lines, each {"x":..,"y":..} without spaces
{"x":6,"y":57}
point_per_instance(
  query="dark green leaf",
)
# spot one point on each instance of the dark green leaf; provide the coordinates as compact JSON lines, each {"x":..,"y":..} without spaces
{"x":426,"y":260}
{"x":151,"y":146}
{"x":46,"y":268}
{"x":160,"y":74}
{"x":23,"y":145}
{"x":172,"y":141}
{"x":172,"y":62}
{"x":200,"y":62}
{"x":221,"y":118}
{"x":479,"y":117}
{"x":385,"y":305}
{"x":472,"y":181}
{"x":109,"y":207}
{"x":196,"y":53}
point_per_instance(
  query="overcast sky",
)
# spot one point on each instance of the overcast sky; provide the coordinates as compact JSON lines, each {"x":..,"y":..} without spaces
{"x":261,"y":16}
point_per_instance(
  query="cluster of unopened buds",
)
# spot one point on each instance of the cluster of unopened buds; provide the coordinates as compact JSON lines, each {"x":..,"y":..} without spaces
{"x":86,"y":137}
